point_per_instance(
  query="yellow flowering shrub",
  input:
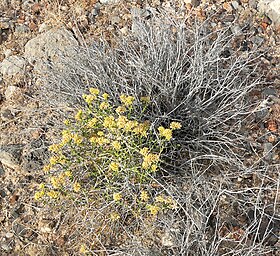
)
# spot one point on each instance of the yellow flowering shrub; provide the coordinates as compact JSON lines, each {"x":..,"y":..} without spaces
{"x":108,"y":150}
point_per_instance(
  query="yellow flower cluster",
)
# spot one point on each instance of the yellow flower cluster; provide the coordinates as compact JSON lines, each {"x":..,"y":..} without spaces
{"x":79,"y":115}
{"x":39,"y":194}
{"x":55,"y":148}
{"x":154,"y":209}
{"x":149,"y":159}
{"x":78,"y":139}
{"x":121,"y":121}
{"x":145,"y":99}
{"x":175,"y":126}
{"x":89,"y":98}
{"x":114,"y":166}
{"x":94,"y":91}
{"x":116,"y":145}
{"x":115,"y":216}
{"x":142,"y":129}
{"x":83,"y":249}
{"x":127,"y":100}
{"x":99,"y":140}
{"x":130,"y":125}
{"x":144,"y":196}
{"x":53,"y":194}
{"x":166,"y":201}
{"x":117,"y":197}
{"x":109,"y":122}
{"x":167,"y":133}
{"x":120,"y":109}
{"x":105,"y":96}
{"x":76,"y":187}
{"x":144,"y":151}
{"x":104,"y":105}
{"x":92,"y":122}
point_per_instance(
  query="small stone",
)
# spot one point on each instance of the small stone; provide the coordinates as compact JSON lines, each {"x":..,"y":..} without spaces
{"x":46,"y":229}
{"x":167,"y":239}
{"x":235,"y":5}
{"x":227,"y":7}
{"x":12,"y":92}
{"x":268,"y":151}
{"x":269,"y":91}
{"x":5,"y":247}
{"x":9,"y":235}
{"x":115,"y":20}
{"x":236,"y":30}
{"x":22,"y":29}
{"x":257,"y":40}
{"x":13,"y":66}
{"x":49,"y":47}
{"x":8,"y":53}
{"x":4,"y":23}
{"x":194,"y":3}
{"x":6,"y":114}
{"x":253,"y":4}
{"x":10,"y":155}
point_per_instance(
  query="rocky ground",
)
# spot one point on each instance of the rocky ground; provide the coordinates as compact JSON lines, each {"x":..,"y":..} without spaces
{"x":32,"y":32}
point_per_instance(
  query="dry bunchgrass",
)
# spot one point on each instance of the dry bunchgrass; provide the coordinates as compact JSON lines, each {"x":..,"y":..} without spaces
{"x":194,"y":76}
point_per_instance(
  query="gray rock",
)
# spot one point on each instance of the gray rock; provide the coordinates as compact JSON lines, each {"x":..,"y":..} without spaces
{"x":236,"y":30}
{"x":268,"y":151}
{"x":49,"y":46}
{"x":21,"y":29}
{"x":13,"y":66}
{"x":269,"y":91}
{"x":2,"y":171}
{"x":10,"y":155}
{"x":5,"y":23}
{"x":271,"y":8}
{"x":253,"y":4}
{"x":257,"y":40}
{"x":6,"y":114}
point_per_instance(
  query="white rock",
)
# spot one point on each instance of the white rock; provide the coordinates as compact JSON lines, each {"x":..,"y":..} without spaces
{"x":9,"y":235}
{"x":46,"y":229}
{"x":167,"y":239}
{"x":11,"y":92}
{"x":271,"y":8}
{"x":13,"y":66}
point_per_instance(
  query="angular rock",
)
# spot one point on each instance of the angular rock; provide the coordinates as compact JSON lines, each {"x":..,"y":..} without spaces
{"x":49,"y":46}
{"x":271,"y":8}
{"x":13,"y":66}
{"x":10,"y":155}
